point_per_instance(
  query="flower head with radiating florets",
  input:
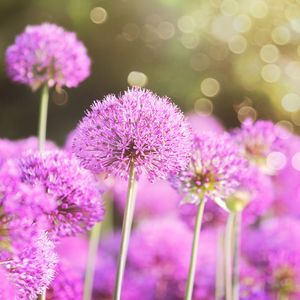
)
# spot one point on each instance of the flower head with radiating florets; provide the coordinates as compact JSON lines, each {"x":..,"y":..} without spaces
{"x":77,"y":192}
{"x":215,"y":171}
{"x":138,"y":128}
{"x":32,"y":270}
{"x":260,"y":139}
{"x":47,"y":54}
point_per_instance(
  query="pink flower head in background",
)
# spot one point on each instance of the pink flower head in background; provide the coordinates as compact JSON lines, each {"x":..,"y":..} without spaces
{"x":76,"y":191}
{"x":215,"y":171}
{"x":261,"y":139}
{"x":47,"y":54}
{"x":135,"y":127}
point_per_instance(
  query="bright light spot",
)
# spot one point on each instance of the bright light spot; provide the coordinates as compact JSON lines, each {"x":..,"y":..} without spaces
{"x":131,"y":31}
{"x":276,"y":161}
{"x":281,"y":35}
{"x":246,"y":112}
{"x":238,"y":44}
{"x":98,"y":15}
{"x":293,"y":70}
{"x":291,"y":102}
{"x":242,"y":23}
{"x":259,"y":9}
{"x":204,"y":106}
{"x":210,"y":87}
{"x":137,"y":79}
{"x":190,"y":40}
{"x":270,"y":73}
{"x":269,"y":53}
{"x":296,"y":161}
{"x":287,"y":125}
{"x":229,"y":7}
{"x":186,"y":24}
{"x":165,"y":30}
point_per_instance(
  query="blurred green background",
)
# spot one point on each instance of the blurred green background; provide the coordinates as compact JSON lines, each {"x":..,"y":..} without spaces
{"x":232,"y":59}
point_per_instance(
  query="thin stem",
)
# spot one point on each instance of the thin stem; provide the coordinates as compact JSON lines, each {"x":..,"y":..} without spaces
{"x":228,"y":256}
{"x":43,"y":117}
{"x":42,"y":296}
{"x":194,"y":254}
{"x":92,"y":255}
{"x":236,"y":255}
{"x":220,"y":266}
{"x":126,"y":229}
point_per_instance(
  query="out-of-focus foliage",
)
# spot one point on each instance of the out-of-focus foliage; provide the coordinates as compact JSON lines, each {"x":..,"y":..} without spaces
{"x":227,"y":57}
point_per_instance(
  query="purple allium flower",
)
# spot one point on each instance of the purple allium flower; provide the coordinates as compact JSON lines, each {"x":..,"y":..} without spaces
{"x":215,"y":171}
{"x":136,"y":127}
{"x":7,"y":291}
{"x":153,"y":199}
{"x":67,"y":284}
{"x":201,"y":123}
{"x":258,"y":140}
{"x":76,"y":190}
{"x":32,"y":270}
{"x":47,"y":54}
{"x":275,"y":248}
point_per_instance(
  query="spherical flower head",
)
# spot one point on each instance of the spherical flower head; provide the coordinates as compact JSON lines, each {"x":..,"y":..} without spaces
{"x":153,"y":199}
{"x":76,"y":191}
{"x":47,"y":54}
{"x":32,"y":270}
{"x":137,"y":127}
{"x":279,"y":254}
{"x":215,"y":171}
{"x":260,"y":139}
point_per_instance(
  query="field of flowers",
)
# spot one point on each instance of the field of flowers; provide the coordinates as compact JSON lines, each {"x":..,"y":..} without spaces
{"x":143,"y":200}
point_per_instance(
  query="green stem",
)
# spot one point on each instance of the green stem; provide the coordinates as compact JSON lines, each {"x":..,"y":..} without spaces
{"x":126,"y":229}
{"x":43,"y":117}
{"x":42,"y":296}
{"x":220,"y":266}
{"x":194,"y":254}
{"x":236,"y":256}
{"x":228,"y":256}
{"x":92,"y":255}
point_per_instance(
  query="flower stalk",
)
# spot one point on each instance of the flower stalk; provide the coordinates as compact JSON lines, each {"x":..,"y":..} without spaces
{"x":126,"y":229}
{"x":92,"y":255}
{"x":194,"y":254}
{"x":42,"y":127}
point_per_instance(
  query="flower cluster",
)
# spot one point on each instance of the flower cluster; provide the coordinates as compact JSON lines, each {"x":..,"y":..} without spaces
{"x":47,"y":54}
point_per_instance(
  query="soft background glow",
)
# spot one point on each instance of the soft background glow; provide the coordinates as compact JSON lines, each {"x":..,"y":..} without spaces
{"x":234,"y":59}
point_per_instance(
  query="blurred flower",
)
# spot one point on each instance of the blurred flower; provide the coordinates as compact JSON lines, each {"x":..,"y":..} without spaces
{"x":153,"y":199}
{"x":76,"y":190}
{"x":260,"y":139}
{"x":138,"y":127}
{"x":279,"y":254}
{"x":32,"y":270}
{"x":201,"y":123}
{"x":47,"y":54}
{"x":215,"y":171}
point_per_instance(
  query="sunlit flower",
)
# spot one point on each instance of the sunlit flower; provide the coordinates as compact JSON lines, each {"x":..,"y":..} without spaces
{"x":47,"y":54}
{"x":138,"y":128}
